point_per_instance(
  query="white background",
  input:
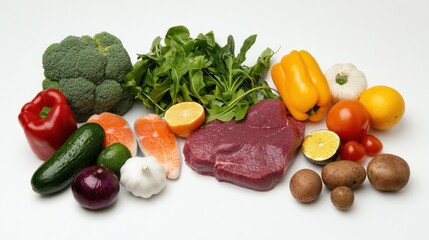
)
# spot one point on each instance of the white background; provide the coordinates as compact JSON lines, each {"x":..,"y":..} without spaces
{"x":388,"y":40}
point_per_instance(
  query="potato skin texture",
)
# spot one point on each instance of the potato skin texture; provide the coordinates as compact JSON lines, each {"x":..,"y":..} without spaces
{"x":342,"y":197}
{"x":305,"y":185}
{"x":343,"y":173}
{"x":388,"y":172}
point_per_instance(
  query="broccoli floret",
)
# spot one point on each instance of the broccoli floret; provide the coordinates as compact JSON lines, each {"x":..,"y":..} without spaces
{"x":118,"y":60}
{"x":117,"y":63}
{"x":127,"y":101}
{"x":79,"y":93}
{"x":107,"y":95}
{"x":50,"y":84}
{"x":90,"y":71}
{"x":72,"y":58}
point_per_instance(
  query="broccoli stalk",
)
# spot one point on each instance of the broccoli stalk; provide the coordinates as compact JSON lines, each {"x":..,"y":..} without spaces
{"x":90,"y":71}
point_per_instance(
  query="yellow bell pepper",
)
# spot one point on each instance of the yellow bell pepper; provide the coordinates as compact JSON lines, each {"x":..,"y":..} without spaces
{"x":302,"y":86}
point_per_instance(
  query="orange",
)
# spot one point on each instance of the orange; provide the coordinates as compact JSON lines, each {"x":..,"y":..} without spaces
{"x":385,"y":105}
{"x":184,"y":118}
{"x":157,"y":140}
{"x":116,"y":129}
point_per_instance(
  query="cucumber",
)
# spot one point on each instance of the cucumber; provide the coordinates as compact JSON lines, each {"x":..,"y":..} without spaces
{"x":79,"y":151}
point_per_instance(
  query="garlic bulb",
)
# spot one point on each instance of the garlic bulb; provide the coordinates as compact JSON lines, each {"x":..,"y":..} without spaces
{"x":143,"y":176}
{"x":345,"y":81}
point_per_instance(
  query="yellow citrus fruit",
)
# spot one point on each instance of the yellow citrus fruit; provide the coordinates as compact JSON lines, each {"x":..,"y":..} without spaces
{"x":321,"y":146}
{"x":385,"y":105}
{"x":184,"y":118}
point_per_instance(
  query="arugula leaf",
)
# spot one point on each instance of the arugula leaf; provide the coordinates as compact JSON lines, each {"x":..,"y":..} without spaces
{"x":187,"y":69}
{"x":197,"y":83}
{"x":248,"y":43}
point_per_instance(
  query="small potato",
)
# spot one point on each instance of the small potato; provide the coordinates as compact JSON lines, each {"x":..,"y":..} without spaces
{"x":305,"y":185}
{"x":342,"y":197}
{"x":343,"y":173}
{"x":388,"y":172}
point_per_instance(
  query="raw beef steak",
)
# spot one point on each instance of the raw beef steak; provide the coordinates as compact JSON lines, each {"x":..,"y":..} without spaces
{"x":253,"y":153}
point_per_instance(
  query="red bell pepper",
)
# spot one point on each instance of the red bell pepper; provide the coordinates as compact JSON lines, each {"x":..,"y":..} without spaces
{"x":48,"y":122}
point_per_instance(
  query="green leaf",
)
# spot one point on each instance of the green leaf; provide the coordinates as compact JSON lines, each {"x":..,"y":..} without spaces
{"x":199,"y":62}
{"x":156,"y":45}
{"x":162,"y":70}
{"x":148,"y":79}
{"x":139,"y":69}
{"x":231,"y":44}
{"x":205,"y":40}
{"x":224,"y":114}
{"x":209,"y":100}
{"x":179,"y":52}
{"x":179,"y":34}
{"x":248,"y":43}
{"x":185,"y":93}
{"x":197,"y":83}
{"x":262,"y":64}
{"x":227,"y":51}
{"x":160,"y":90}
{"x":218,"y":93}
{"x":200,"y":70}
{"x":183,"y":67}
{"x":227,"y":96}
{"x":240,"y":110}
{"x":175,"y":85}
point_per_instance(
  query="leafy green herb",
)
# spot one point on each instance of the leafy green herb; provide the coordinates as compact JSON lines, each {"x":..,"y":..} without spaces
{"x":187,"y":69}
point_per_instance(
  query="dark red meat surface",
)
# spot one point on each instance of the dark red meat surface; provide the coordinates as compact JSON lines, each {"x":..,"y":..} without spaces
{"x":253,"y":153}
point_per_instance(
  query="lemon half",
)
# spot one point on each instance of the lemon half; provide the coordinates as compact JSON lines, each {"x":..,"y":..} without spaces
{"x":321,"y":146}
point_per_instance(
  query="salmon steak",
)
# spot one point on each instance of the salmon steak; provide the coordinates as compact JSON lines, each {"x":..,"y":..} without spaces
{"x":116,"y":129}
{"x":156,"y":139}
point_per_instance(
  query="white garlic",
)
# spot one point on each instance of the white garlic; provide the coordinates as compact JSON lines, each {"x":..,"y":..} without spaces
{"x":345,"y":81}
{"x":143,"y":176}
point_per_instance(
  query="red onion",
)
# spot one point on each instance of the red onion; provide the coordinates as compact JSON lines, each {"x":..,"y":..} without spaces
{"x":95,"y":187}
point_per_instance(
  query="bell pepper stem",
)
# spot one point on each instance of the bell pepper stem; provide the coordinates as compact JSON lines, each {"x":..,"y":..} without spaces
{"x":45,"y":111}
{"x":313,"y":110}
{"x":341,"y":78}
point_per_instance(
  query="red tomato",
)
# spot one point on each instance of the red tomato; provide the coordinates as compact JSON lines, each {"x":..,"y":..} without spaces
{"x":372,"y":144}
{"x":349,"y":119}
{"x":352,"y":150}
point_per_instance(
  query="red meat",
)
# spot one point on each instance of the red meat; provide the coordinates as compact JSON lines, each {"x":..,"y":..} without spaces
{"x":253,"y":153}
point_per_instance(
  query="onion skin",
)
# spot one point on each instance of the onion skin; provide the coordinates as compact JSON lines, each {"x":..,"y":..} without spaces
{"x":95,"y":187}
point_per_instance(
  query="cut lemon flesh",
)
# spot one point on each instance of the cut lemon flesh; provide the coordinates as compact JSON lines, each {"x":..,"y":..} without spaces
{"x":321,"y":146}
{"x":184,"y":118}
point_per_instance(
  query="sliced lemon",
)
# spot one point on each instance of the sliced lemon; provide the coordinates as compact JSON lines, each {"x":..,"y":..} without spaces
{"x":184,"y":118}
{"x":321,"y":146}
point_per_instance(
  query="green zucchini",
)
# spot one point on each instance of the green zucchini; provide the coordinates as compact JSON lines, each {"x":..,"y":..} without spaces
{"x":78,"y":152}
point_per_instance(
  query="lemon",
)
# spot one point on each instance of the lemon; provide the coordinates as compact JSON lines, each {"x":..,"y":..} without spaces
{"x":321,"y":146}
{"x":385,"y":106}
{"x":184,"y":118}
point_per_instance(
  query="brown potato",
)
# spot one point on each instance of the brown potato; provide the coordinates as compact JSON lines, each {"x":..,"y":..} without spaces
{"x":342,"y":197}
{"x":305,"y":185}
{"x":388,"y":172}
{"x":343,"y":173}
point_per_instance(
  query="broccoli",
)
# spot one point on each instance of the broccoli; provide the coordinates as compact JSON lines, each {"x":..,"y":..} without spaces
{"x":90,"y":72}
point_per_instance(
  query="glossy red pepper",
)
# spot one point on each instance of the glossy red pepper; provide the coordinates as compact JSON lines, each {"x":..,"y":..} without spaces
{"x":48,"y":122}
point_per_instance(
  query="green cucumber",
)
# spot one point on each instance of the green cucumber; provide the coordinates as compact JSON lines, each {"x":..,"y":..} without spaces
{"x":79,"y":151}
